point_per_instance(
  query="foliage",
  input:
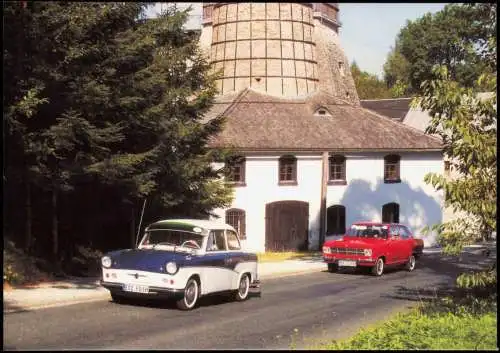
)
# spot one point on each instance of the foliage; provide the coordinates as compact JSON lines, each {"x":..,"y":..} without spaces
{"x":103,"y":109}
{"x":478,"y":280}
{"x":459,"y":37}
{"x":18,"y":267}
{"x":396,"y":74}
{"x":86,"y":262}
{"x":437,"y":326}
{"x":467,"y":126}
{"x":368,"y":86}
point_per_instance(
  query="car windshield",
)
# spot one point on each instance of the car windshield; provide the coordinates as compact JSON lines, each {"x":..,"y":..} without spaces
{"x":367,"y":231}
{"x":174,"y":238}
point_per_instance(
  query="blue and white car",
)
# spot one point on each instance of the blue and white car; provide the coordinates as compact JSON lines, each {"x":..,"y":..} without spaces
{"x":182,"y":259}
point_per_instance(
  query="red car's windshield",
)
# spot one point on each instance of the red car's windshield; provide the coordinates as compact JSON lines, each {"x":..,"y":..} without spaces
{"x":367,"y":231}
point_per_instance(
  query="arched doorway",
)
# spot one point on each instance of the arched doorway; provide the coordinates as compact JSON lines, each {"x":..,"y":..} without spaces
{"x":335,"y":220}
{"x":390,"y":213}
{"x":287,"y":225}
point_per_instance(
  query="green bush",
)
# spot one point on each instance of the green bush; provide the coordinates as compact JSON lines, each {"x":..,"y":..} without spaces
{"x":86,"y":262}
{"x":19,"y":268}
{"x":441,"y":326}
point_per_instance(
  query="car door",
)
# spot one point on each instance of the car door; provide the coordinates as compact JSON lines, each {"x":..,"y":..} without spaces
{"x":234,"y":256}
{"x":391,"y":245}
{"x":407,"y":242}
{"x":217,"y":275}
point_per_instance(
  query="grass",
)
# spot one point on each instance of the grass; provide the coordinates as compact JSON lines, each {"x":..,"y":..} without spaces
{"x":287,"y":255}
{"x":441,"y":325}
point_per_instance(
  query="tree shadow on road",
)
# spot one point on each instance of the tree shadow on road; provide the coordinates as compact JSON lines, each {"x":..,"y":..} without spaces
{"x":450,"y":266}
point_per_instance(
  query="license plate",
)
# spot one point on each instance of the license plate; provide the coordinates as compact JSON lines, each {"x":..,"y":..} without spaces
{"x":135,"y":288}
{"x":347,"y":263}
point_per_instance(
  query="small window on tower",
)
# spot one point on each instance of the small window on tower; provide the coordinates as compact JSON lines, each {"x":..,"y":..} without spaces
{"x":341,"y":68}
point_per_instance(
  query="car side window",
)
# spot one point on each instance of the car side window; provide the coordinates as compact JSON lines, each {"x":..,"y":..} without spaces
{"x":394,"y":232}
{"x":232,"y":240}
{"x":216,"y":241}
{"x":405,"y":233}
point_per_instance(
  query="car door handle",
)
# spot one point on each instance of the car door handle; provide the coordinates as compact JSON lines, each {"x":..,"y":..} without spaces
{"x":228,"y":260}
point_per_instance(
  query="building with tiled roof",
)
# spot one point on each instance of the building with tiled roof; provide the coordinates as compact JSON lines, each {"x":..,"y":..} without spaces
{"x":313,"y":159}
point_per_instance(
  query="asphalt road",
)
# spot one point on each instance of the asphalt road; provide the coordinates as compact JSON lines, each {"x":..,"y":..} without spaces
{"x":293,"y":311}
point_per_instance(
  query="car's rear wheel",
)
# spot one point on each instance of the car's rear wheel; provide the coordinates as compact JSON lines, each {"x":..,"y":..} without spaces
{"x":241,"y":293}
{"x":333,"y":267}
{"x":378,"y":269}
{"x":410,"y":264}
{"x":191,"y":295}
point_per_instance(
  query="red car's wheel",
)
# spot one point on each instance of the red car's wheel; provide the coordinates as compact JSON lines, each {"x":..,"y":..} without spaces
{"x":378,"y":269}
{"x":410,"y":265}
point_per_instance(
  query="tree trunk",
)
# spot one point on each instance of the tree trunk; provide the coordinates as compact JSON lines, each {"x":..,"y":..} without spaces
{"x":28,"y":238}
{"x":132,"y":227}
{"x":55,"y":225}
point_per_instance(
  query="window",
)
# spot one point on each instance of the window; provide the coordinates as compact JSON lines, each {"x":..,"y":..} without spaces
{"x":236,"y":218}
{"x":447,"y":168}
{"x":404,"y":232}
{"x":394,"y":232}
{"x":216,"y":241}
{"x":335,"y":220}
{"x":337,"y":170}
{"x":341,"y":68}
{"x":322,"y":111}
{"x":391,"y":169}
{"x":390,"y":213}
{"x":232,"y":240}
{"x":235,"y":171}
{"x":288,"y":170}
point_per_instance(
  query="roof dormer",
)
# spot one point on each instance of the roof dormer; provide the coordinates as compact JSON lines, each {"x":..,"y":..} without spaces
{"x":322,"y":111}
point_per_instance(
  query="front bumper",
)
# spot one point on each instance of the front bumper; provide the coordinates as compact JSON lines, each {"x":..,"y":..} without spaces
{"x":359,"y":262}
{"x":154,"y":292}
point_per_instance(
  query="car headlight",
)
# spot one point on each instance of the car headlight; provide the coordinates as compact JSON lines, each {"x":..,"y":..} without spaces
{"x":326,"y":249}
{"x":367,"y":252}
{"x":171,"y":268}
{"x":106,"y":261}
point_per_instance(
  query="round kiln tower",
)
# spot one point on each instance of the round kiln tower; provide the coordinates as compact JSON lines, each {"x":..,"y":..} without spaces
{"x":283,"y":49}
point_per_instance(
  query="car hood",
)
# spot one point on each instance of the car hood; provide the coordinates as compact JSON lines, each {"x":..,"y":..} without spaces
{"x":145,"y":259}
{"x":353,"y":242}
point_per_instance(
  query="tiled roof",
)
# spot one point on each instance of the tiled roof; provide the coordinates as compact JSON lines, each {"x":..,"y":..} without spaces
{"x":396,"y":108}
{"x":257,"y":121}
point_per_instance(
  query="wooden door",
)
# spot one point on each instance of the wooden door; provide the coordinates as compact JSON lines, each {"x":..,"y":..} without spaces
{"x":287,"y":226}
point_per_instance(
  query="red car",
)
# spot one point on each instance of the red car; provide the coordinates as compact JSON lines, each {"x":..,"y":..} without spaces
{"x":373,"y":245}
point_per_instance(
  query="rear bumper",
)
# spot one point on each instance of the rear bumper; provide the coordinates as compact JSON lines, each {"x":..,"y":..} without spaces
{"x":359,"y":262}
{"x":255,"y":284}
{"x":154,"y":292}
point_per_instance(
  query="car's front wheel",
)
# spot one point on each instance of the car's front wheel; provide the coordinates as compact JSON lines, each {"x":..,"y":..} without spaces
{"x":410,"y":265}
{"x":333,"y":267}
{"x":191,"y":295}
{"x":241,"y":293}
{"x":378,"y":269}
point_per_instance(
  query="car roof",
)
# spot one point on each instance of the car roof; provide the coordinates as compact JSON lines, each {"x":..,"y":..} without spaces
{"x":188,"y":224}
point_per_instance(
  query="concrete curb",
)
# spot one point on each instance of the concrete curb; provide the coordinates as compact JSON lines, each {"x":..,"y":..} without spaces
{"x":294,"y":273}
{"x":95,"y":298}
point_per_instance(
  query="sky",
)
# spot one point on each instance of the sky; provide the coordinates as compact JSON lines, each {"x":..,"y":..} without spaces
{"x":368,"y":29}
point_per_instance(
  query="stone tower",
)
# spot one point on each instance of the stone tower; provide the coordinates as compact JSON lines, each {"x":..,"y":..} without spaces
{"x":282,"y":49}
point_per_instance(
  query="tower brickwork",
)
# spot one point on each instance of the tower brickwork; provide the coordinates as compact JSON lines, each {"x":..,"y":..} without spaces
{"x":283,"y":49}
